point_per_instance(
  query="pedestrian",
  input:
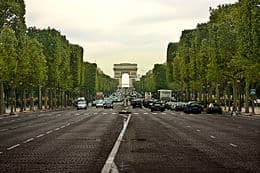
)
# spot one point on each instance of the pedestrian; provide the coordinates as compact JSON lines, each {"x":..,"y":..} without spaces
{"x":234,"y":110}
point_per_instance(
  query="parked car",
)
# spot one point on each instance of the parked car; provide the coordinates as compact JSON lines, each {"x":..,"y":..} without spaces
{"x":137,"y":103}
{"x":179,"y":106}
{"x":214,"y":108}
{"x":193,"y":107}
{"x":82,"y":104}
{"x":99,"y":103}
{"x":108,"y":103}
{"x":157,"y":106}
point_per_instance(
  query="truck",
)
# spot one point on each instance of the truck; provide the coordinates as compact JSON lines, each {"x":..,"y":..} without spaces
{"x":165,"y":95}
{"x":99,"y":95}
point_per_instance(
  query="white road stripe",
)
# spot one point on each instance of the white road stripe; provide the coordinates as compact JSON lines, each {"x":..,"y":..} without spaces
{"x":136,"y":113}
{"x":68,"y":124}
{"x":110,"y":161}
{"x":62,"y":127}
{"x":12,"y":147}
{"x":233,"y":145}
{"x":145,"y":113}
{"x":57,"y":129}
{"x":188,"y":126}
{"x":213,"y":137}
{"x":113,"y":113}
{"x":163,"y":113}
{"x":198,"y":130}
{"x":40,"y":135}
{"x":28,"y":140}
{"x":49,"y":132}
{"x":104,"y":113}
{"x":154,"y":113}
{"x":2,"y":130}
{"x":1,"y":152}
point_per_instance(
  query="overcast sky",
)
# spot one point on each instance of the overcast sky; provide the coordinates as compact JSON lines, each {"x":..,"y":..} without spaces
{"x":118,"y":31}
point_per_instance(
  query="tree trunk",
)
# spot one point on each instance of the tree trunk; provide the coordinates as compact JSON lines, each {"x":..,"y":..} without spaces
{"x":234,"y":94}
{"x":40,"y":98}
{"x":32,"y":101}
{"x":247,"y":97}
{"x":2,"y":105}
{"x":46,"y":99}
{"x":22,"y":99}
{"x":12,"y":101}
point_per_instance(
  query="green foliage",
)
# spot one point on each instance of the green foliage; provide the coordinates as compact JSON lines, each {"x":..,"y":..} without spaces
{"x":8,"y":54}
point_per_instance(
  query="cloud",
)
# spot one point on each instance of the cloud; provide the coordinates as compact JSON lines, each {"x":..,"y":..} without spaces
{"x":115,"y":31}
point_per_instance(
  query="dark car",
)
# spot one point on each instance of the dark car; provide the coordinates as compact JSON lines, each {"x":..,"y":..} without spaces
{"x":157,"y":106}
{"x":108,"y":104}
{"x":136,"y":103}
{"x":193,"y":107}
{"x":214,"y":108}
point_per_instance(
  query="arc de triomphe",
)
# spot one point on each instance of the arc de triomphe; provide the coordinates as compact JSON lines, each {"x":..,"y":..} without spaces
{"x":125,"y":68}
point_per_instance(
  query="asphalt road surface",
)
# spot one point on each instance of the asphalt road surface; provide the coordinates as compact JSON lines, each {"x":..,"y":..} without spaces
{"x":80,"y":141}
{"x":178,"y":142}
{"x":62,"y":141}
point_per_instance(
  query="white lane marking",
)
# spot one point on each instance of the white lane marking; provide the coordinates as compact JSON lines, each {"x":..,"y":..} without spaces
{"x":172,"y":113}
{"x":188,"y":126}
{"x":104,"y":113}
{"x":14,"y":146}
{"x":40,"y":135}
{"x":2,"y":130}
{"x":68,"y":124}
{"x":1,"y":152}
{"x":145,"y":113}
{"x":62,"y":127}
{"x":163,"y":113}
{"x":198,"y":130}
{"x":154,"y":113}
{"x":28,"y":140}
{"x":136,"y":113}
{"x":233,"y":145}
{"x":58,"y":115}
{"x":213,"y":137}
{"x":49,"y":132}
{"x":57,"y":129}
{"x":113,"y":113}
{"x":110,"y":161}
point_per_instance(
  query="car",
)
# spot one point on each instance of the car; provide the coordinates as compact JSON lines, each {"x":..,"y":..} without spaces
{"x":108,"y":103}
{"x":137,"y":103}
{"x":82,"y":104}
{"x":214,"y":108}
{"x":157,"y":106}
{"x":193,"y":107}
{"x":99,"y":103}
{"x":179,"y":106}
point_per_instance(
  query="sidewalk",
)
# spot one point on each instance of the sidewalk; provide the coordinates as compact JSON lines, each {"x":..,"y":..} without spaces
{"x":257,"y":111}
{"x":17,"y":112}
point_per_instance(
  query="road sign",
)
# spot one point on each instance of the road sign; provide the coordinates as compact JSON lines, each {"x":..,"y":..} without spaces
{"x":252,"y":91}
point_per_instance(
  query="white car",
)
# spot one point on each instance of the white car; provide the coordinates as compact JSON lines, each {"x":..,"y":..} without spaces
{"x":100,"y":103}
{"x":82,"y":104}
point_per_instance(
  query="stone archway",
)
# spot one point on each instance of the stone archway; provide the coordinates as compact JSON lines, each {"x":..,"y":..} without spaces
{"x":125,"y":68}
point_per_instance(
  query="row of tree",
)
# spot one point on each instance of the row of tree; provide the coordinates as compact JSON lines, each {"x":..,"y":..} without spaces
{"x":217,"y":59}
{"x":42,"y":62}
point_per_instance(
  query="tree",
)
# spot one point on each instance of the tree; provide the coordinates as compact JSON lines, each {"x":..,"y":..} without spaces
{"x":8,"y":62}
